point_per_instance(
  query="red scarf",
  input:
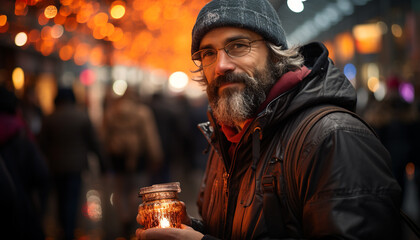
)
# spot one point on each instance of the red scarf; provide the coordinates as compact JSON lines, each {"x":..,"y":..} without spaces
{"x":286,"y":82}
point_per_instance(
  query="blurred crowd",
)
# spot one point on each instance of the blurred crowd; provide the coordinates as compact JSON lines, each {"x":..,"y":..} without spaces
{"x":64,"y":177}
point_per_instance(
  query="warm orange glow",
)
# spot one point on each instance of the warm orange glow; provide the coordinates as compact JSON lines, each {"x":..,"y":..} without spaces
{"x":50,"y":11}
{"x":116,"y":35}
{"x":138,"y":5}
{"x":123,"y":42}
{"x":100,"y":19}
{"x":18,"y":78}
{"x":396,"y":30}
{"x":3,"y":20}
{"x":32,"y":2}
{"x":65,"y":11}
{"x":42,"y":20}
{"x":152,"y":16}
{"x":57,"y":31}
{"x":34,"y":35}
{"x":97,"y":56}
{"x":60,"y":19}
{"x":47,"y":47}
{"x":154,"y":33}
{"x":71,"y":24}
{"x":4,"y":28}
{"x":117,"y":9}
{"x":46,"y":90}
{"x":344,"y":47}
{"x":21,"y":8}
{"x":66,"y":52}
{"x":46,"y":33}
{"x":373,"y":84}
{"x":368,"y":38}
{"x":330,"y":48}
{"x":81,"y":55}
{"x":143,"y":40}
{"x":410,"y":170}
{"x":84,"y":14}
{"x":107,"y":30}
{"x":97,"y":34}
{"x":66,"y":2}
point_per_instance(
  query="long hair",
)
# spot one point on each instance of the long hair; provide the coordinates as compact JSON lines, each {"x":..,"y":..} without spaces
{"x":284,"y":60}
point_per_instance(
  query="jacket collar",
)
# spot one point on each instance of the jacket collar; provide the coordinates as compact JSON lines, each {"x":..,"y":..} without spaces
{"x":286,"y":82}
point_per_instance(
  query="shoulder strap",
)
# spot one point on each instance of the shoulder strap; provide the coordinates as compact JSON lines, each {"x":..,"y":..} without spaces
{"x":294,"y":147}
{"x":273,"y":178}
{"x":410,"y":223}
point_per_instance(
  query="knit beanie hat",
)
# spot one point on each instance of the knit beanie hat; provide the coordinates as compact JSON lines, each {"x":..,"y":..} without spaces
{"x":256,"y":15}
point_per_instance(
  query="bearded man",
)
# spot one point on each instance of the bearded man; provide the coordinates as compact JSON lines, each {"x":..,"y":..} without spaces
{"x":336,"y":184}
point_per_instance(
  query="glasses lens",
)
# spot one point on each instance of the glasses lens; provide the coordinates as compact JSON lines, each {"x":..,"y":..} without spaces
{"x":238,"y":48}
{"x":208,"y":56}
{"x":196,"y":57}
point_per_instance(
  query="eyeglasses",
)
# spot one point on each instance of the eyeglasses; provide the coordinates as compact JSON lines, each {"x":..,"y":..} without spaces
{"x":236,"y":48}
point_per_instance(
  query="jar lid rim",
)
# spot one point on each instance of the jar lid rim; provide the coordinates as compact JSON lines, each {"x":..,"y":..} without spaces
{"x":162,"y":187}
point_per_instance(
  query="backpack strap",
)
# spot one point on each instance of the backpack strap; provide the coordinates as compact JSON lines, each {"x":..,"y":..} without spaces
{"x":294,"y":148}
{"x":275,"y":194}
{"x":410,"y":223}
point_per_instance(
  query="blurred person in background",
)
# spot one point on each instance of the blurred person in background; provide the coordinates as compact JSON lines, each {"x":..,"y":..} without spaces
{"x":336,"y":184}
{"x":396,"y":122}
{"x":67,"y":138}
{"x":23,"y":175}
{"x":134,"y":148}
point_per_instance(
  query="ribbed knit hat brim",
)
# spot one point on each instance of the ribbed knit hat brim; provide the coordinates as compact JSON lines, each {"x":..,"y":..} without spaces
{"x":256,"y":15}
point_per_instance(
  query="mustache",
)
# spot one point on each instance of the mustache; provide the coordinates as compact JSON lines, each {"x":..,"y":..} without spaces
{"x":230,"y":78}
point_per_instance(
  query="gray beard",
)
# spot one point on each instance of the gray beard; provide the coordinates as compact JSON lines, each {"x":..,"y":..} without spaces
{"x":236,"y":105}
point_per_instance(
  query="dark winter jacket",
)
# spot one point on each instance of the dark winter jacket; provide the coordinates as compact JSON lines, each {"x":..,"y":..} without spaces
{"x":345,"y":188}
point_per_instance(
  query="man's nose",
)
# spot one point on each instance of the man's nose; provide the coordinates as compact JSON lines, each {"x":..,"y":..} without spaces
{"x":223,"y":63}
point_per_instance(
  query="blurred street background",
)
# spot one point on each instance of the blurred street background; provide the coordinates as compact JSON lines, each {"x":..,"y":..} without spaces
{"x":97,"y":100}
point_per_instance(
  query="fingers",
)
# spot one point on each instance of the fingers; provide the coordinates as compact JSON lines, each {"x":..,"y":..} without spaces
{"x":138,"y":233}
{"x":157,"y":233}
{"x":184,"y":215}
{"x":183,"y":226}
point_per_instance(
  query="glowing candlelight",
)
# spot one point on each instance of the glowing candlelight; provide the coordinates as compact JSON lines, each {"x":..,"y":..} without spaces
{"x":161,"y":207}
{"x":164,"y":223}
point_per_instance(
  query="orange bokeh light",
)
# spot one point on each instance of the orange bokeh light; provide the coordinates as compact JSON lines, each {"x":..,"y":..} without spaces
{"x":3,"y":20}
{"x":81,"y":54}
{"x":344,"y":47}
{"x":100,"y":19}
{"x":117,"y":9}
{"x":42,"y":20}
{"x":65,"y":11}
{"x":70,"y":24}
{"x":368,"y":38}
{"x":50,"y":11}
{"x":66,"y":52}
{"x":97,"y":56}
{"x":34,"y":35}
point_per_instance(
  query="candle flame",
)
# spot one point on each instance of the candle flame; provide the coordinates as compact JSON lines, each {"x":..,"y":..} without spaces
{"x":164,"y":223}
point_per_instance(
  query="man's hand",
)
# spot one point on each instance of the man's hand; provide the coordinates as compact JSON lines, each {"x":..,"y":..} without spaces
{"x":185,"y":233}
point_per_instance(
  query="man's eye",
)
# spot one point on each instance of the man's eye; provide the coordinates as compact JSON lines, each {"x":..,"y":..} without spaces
{"x":208,"y":53}
{"x":238,"y":46}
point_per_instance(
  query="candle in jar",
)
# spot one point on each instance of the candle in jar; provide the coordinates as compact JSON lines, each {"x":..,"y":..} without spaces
{"x":160,"y":207}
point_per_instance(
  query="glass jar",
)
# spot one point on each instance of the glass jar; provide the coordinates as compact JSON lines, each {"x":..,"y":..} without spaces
{"x":160,"y":207}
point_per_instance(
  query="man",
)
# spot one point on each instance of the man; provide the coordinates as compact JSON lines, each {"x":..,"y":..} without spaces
{"x":259,"y":90}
